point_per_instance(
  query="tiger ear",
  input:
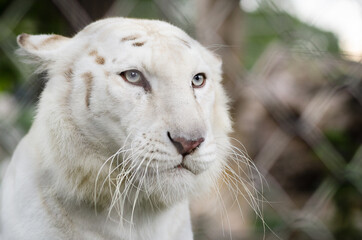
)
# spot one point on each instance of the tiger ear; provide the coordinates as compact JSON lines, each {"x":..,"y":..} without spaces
{"x":42,"y":47}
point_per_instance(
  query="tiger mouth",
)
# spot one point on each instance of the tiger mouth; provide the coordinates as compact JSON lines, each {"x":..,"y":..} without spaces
{"x":182,"y":166}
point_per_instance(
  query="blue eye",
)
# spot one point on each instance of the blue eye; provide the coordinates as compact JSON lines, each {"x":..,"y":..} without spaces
{"x":199,"y":80}
{"x":132,"y":76}
{"x":136,"y":78}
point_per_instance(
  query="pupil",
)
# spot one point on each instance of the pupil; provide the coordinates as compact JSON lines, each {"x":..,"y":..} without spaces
{"x":198,"y":78}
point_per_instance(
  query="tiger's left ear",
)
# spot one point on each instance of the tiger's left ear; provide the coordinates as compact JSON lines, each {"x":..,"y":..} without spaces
{"x":42,"y":47}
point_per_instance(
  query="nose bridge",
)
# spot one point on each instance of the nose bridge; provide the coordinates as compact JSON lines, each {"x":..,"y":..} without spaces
{"x":184,"y":114}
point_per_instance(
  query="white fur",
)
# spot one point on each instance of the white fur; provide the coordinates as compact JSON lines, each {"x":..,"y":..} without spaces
{"x":97,"y":162}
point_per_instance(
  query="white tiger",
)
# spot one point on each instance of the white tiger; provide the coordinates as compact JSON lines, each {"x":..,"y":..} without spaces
{"x":133,"y":121}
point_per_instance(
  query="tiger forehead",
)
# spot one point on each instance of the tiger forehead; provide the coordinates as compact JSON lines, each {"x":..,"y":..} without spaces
{"x":138,"y":40}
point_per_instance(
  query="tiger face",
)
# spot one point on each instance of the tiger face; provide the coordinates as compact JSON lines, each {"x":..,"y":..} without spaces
{"x":145,"y":97}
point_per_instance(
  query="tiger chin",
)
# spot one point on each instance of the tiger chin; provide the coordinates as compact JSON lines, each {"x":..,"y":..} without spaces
{"x":133,"y":122}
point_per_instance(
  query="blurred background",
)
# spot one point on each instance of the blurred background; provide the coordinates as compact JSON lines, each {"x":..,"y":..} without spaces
{"x":293,"y":71}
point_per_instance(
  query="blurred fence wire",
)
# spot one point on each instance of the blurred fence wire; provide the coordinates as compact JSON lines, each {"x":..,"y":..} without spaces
{"x":298,"y":109}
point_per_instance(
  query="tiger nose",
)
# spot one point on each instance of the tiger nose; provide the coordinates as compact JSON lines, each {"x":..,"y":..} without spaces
{"x":185,"y":146}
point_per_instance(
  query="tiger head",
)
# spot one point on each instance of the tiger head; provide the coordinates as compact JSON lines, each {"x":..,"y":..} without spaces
{"x":132,"y":106}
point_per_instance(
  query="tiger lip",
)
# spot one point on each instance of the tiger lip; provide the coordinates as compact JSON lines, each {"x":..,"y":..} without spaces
{"x":183,"y":166}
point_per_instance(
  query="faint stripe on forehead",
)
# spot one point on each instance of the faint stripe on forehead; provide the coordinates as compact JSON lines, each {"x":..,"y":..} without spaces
{"x":138,"y":44}
{"x":186,"y":43}
{"x":130,"y":38}
{"x":134,"y":37}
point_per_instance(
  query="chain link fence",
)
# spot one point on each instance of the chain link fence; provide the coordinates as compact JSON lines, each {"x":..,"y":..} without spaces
{"x":297,"y":109}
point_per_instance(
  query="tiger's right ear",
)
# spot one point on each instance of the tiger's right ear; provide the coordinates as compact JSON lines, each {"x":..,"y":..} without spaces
{"x":42,"y":47}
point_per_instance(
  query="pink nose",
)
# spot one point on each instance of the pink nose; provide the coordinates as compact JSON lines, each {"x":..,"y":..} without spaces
{"x":185,"y":146}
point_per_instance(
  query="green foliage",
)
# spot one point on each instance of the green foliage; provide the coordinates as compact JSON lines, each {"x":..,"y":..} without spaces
{"x":145,"y":9}
{"x":271,"y":220}
{"x":349,"y":206}
{"x":8,"y":75}
{"x":26,"y":118}
{"x":343,"y":141}
{"x":41,"y":17}
{"x":264,"y":27}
